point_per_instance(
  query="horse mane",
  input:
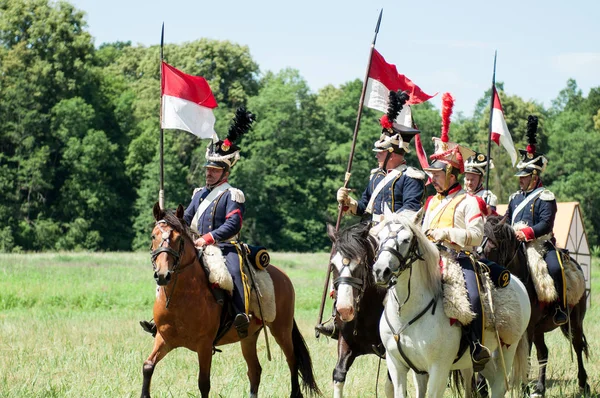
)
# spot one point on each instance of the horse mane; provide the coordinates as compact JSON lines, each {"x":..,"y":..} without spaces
{"x":356,"y":243}
{"x":178,"y":225}
{"x":429,"y":252}
{"x":502,"y":236}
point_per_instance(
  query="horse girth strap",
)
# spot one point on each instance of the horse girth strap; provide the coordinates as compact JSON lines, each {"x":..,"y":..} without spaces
{"x":432,"y":303}
{"x":348,"y":280}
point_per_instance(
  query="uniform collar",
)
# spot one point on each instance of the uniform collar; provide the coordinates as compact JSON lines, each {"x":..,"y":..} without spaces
{"x":453,"y":189}
{"x":210,"y":188}
{"x":400,"y":168}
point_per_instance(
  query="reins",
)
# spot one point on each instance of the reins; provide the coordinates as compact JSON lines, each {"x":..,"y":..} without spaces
{"x":177,"y":267}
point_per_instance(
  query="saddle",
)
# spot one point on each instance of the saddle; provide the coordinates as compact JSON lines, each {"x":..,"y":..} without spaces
{"x":543,"y":282}
{"x":457,"y":306}
{"x":219,"y":277}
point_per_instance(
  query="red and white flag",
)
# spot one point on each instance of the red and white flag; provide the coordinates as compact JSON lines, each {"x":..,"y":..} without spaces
{"x":187,"y":103}
{"x":500,"y":133}
{"x":384,"y":77}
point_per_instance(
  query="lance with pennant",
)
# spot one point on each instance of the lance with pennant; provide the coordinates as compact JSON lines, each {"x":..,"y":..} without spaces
{"x":349,"y":167}
{"x":489,"y":146}
{"x":161,"y":188}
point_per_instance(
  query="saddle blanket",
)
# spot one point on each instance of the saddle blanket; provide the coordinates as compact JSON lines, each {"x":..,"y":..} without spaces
{"x":457,"y":306}
{"x":219,"y":274}
{"x":542,"y":281}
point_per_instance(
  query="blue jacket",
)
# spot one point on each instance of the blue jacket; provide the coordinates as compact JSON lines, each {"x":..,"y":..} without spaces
{"x":405,"y":192}
{"x":222,"y":220}
{"x":539,"y":214}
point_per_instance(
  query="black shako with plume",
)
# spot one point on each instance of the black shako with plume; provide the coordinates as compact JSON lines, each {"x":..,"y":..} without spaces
{"x":394,"y":136}
{"x":532,"y":162}
{"x":224,"y":154}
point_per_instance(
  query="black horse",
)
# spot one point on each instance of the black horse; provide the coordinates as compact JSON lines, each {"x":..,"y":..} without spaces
{"x":503,"y":247}
{"x":358,"y":322}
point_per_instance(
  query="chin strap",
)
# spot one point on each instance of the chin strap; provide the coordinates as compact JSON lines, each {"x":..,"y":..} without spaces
{"x":218,"y":181}
{"x":387,"y":158}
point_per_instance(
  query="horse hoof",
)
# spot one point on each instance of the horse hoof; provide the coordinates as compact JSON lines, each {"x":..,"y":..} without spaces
{"x":537,"y":394}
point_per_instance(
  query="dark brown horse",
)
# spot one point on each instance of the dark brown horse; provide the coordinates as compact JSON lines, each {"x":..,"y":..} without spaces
{"x":359,"y":301}
{"x":503,"y":247}
{"x":192,"y":317}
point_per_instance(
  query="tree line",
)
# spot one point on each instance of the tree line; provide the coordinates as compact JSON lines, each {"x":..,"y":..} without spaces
{"x":79,"y":130}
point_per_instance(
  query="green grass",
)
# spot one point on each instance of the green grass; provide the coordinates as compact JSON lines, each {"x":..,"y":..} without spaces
{"x":69,"y":328}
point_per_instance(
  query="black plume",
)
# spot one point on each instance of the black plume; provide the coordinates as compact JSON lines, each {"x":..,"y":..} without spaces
{"x":532,"y":125}
{"x":241,"y":124}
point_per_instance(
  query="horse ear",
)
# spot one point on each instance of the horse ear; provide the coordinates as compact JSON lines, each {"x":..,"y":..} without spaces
{"x":159,"y":213}
{"x":331,"y":232}
{"x":417,"y":218}
{"x":503,"y":220}
{"x":387,"y":212}
{"x":179,"y":212}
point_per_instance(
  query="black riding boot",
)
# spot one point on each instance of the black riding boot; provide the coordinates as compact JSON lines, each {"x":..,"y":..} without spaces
{"x":241,"y":322}
{"x":149,"y":326}
{"x":328,"y":329}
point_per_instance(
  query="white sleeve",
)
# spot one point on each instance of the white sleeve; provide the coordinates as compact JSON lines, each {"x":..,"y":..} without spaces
{"x":469,"y":217}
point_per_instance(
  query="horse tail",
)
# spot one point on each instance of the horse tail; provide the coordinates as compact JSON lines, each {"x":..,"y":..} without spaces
{"x":520,"y":369}
{"x":456,"y":383}
{"x":303,"y":362}
{"x":584,"y":344}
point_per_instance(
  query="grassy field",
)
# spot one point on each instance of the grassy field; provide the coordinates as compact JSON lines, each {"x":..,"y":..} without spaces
{"x":69,"y":328}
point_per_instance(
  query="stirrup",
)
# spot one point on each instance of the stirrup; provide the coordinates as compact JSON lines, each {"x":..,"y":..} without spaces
{"x":328,"y":329}
{"x":480,"y":356}
{"x":560,"y":317}
{"x":149,"y":327}
{"x":241,"y":322}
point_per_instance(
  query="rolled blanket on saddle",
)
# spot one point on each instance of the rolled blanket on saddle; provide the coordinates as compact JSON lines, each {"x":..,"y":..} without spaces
{"x":542,"y":280}
{"x":457,"y":306}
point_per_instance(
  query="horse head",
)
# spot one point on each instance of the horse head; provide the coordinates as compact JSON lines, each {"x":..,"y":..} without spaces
{"x":168,"y":242}
{"x":354,"y":252}
{"x":500,"y":242}
{"x":398,"y":250}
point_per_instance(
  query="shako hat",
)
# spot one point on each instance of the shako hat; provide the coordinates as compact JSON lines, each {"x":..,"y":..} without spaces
{"x":532,"y":161}
{"x":223,"y":154}
{"x":394,"y":137}
{"x":477,"y":164}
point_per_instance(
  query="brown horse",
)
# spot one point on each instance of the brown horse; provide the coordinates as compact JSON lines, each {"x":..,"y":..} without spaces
{"x":187,"y":314}
{"x":503,"y":247}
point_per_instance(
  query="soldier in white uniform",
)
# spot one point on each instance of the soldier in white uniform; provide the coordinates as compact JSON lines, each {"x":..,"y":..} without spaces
{"x":475,"y":168}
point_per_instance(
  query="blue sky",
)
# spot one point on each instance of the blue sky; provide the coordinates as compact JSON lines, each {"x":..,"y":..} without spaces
{"x":440,"y":45}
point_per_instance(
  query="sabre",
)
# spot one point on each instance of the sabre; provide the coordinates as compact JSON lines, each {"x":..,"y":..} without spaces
{"x":349,"y":168}
{"x":488,"y":292}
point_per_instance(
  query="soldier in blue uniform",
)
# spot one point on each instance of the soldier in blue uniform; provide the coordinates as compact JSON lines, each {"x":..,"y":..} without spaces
{"x":392,"y":183}
{"x":536,"y":207}
{"x":216,"y":212}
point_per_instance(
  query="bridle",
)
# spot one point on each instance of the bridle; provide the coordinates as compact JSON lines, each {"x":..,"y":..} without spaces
{"x":166,"y":238}
{"x":162,"y":248}
{"x":404,"y":263}
{"x":357,"y":283}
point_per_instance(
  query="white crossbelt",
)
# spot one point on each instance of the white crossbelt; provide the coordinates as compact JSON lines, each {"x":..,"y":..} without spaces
{"x":215,"y":193}
{"x":524,"y":203}
{"x":389,"y":177}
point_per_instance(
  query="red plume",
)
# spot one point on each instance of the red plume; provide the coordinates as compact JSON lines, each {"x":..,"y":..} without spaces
{"x":447,"y":105}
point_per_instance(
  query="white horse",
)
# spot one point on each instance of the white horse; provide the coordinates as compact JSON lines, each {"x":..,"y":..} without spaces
{"x":416,"y":332}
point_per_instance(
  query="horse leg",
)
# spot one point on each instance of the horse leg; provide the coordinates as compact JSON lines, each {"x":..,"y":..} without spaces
{"x":580,"y":346}
{"x":205,"y":362}
{"x":254,"y":368}
{"x":158,"y":352}
{"x":389,"y":387}
{"x":438,"y":379}
{"x":542,"y":357}
{"x":345,"y":360}
{"x":421,"y":384}
{"x":398,"y":373}
{"x":283,"y":337}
